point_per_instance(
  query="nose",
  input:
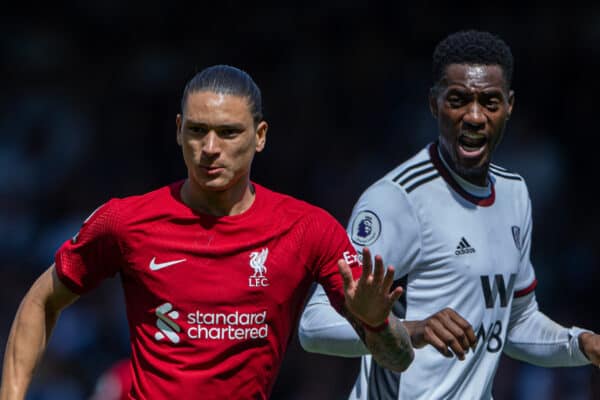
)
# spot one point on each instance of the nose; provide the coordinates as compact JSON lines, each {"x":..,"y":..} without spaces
{"x":474,"y":117}
{"x":211,"y":144}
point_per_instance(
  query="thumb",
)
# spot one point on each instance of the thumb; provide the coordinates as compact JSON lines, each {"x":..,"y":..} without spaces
{"x":396,"y":294}
{"x":346,"y":274}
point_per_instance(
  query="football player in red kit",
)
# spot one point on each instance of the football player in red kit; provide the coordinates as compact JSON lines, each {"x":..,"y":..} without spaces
{"x":215,"y":268}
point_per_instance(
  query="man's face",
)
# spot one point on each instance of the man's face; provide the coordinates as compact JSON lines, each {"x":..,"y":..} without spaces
{"x":471,"y":104}
{"x":218,"y":138}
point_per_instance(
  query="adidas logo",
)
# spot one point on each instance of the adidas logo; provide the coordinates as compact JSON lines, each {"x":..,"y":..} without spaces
{"x":463,"y":247}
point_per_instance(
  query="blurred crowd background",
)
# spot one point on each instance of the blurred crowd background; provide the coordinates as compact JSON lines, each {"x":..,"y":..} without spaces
{"x":88,"y":103}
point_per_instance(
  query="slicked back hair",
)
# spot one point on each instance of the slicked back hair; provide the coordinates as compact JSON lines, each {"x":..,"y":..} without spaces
{"x":225,"y":79}
{"x":472,"y":47}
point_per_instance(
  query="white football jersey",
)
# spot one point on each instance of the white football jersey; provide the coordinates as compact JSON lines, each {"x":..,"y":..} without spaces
{"x":455,"y":245}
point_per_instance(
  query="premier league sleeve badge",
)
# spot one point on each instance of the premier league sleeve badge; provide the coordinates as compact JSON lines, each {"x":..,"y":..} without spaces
{"x":366,"y":228}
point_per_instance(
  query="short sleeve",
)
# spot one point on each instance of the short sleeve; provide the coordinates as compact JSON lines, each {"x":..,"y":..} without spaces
{"x":94,"y":253}
{"x":526,"y":281}
{"x":330,"y":243}
{"x":385,"y":221}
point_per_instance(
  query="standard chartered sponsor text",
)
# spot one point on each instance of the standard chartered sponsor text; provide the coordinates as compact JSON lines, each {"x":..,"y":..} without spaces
{"x":229,"y":326}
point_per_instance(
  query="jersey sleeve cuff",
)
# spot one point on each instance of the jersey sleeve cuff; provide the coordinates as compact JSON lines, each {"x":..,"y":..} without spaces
{"x":577,"y":354}
{"x":527,"y":290}
{"x":64,"y":279}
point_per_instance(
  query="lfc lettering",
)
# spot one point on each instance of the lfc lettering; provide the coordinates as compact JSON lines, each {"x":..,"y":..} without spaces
{"x":260,"y":281}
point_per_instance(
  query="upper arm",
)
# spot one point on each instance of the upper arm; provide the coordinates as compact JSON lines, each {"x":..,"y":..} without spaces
{"x":95,"y":253}
{"x":526,"y":280}
{"x":49,"y":292}
{"x":522,"y":308}
{"x":385,"y":221}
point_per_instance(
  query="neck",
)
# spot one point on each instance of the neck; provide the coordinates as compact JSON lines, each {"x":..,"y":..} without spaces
{"x":476,"y":176}
{"x":232,"y":201}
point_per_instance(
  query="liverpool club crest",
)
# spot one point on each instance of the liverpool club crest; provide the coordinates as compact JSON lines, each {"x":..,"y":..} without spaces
{"x":257,"y":263}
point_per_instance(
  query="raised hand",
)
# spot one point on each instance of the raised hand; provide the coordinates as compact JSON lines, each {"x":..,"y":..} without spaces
{"x":368,"y":305}
{"x":369,"y":298}
{"x":445,"y":330}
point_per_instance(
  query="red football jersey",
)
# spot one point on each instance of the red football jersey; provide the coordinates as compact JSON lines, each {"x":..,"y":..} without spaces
{"x":211,"y":301}
{"x":115,"y":383}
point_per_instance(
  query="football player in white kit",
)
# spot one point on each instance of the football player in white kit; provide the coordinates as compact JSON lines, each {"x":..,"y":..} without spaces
{"x":458,"y":230}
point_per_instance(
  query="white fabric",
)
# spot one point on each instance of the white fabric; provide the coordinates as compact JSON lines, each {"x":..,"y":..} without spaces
{"x":450,"y":250}
{"x":535,"y":338}
{"x":326,"y":332}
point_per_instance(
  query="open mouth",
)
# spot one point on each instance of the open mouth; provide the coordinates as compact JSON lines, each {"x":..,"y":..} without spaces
{"x":471,"y":143}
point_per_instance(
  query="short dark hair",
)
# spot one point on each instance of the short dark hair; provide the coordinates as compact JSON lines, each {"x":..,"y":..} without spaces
{"x":225,"y":79}
{"x":472,"y":47}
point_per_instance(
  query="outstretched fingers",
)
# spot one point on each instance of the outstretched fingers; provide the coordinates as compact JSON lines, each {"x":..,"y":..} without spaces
{"x":388,"y":280}
{"x":347,"y":277}
{"x":367,"y":265}
{"x":378,"y":271}
{"x":370,"y":298}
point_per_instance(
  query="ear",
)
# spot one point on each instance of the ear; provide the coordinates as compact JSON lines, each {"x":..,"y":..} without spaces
{"x":261,"y":135}
{"x":178,"y":125}
{"x":433,"y":107}
{"x":511,"y":103}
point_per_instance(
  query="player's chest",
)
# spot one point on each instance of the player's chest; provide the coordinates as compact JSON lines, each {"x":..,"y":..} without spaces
{"x":212,"y":268}
{"x":472,"y":243}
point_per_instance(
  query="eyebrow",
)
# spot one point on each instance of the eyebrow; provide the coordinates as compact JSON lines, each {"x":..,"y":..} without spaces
{"x":485,"y":91}
{"x":232,"y":126}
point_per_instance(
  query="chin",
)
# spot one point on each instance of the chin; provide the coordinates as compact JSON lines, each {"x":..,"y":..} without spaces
{"x":214,"y":187}
{"x":472,"y":171}
{"x":210,"y":185}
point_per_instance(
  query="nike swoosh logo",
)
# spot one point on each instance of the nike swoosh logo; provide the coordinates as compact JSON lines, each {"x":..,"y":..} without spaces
{"x":154,"y":266}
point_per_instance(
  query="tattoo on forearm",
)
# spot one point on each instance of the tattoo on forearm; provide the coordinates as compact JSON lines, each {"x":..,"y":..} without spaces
{"x":355,"y":324}
{"x":391,"y":347}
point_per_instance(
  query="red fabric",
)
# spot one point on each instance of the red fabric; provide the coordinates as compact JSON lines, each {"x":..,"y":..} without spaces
{"x":115,"y":383}
{"x":377,"y":328}
{"x":527,"y":290}
{"x":217,"y":324}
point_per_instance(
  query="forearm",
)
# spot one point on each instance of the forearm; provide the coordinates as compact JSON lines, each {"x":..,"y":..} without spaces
{"x":322,"y":330}
{"x":390,"y":347}
{"x":368,"y":307}
{"x":30,"y":332}
{"x":28,"y":337}
{"x":543,"y":342}
{"x":536,"y":339}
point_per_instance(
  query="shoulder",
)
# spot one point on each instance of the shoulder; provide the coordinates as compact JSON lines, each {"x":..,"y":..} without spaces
{"x":289,"y":208}
{"x":165,"y":193}
{"x":394,"y":187}
{"x":281,"y":202}
{"x":414,"y":172}
{"x":504,"y":174}
{"x":509,"y":181}
{"x":386,"y":204}
{"x":156,"y":201}
{"x":418,"y":172}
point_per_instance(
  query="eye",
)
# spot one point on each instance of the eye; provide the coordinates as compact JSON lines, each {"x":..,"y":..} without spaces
{"x":197,"y":130}
{"x":492,"y":103}
{"x":455,"y":101}
{"x":229,"y":132}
